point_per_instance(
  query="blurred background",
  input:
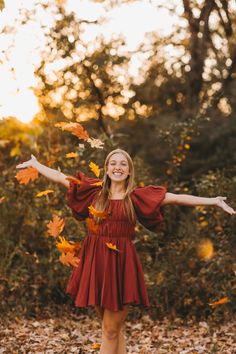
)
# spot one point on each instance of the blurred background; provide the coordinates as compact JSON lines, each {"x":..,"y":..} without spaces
{"x":156,"y":78}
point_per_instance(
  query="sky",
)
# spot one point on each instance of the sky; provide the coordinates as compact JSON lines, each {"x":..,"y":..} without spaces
{"x":24,"y":42}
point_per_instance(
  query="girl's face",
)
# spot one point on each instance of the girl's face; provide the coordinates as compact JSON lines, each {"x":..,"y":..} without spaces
{"x":118,"y":167}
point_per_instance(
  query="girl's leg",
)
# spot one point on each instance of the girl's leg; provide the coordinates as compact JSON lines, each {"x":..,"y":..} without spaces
{"x":111,"y":331}
{"x":122,"y":344}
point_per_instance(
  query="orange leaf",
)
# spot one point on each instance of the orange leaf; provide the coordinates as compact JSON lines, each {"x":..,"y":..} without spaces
{"x":55,"y":226}
{"x":91,"y":225}
{"x":72,"y":155}
{"x":97,"y":213}
{"x":27,"y":174}
{"x":2,"y":199}
{"x":64,"y":246}
{"x":219,"y":302}
{"x":73,"y":180}
{"x":66,"y":126}
{"x":112,"y":247}
{"x":80,"y":132}
{"x":96,"y":346}
{"x":46,"y":192}
{"x":95,"y":169}
{"x":97,"y":183}
{"x":69,"y":259}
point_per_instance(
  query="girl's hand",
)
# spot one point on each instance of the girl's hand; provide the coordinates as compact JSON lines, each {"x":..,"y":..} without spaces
{"x":220,"y":203}
{"x":29,"y":163}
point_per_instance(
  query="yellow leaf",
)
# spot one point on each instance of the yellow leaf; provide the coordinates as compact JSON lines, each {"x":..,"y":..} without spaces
{"x":97,"y":183}
{"x":205,"y":250}
{"x":95,"y":169}
{"x":16,"y":151}
{"x":187,"y":146}
{"x":73,"y":180}
{"x":111,"y":246}
{"x":96,"y":346}
{"x":204,"y":224}
{"x":141,"y":184}
{"x":224,"y":300}
{"x":46,"y":192}
{"x":72,"y":155}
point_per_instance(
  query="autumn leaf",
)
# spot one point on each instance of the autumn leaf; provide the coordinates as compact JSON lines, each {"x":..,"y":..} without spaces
{"x":95,"y":143}
{"x":55,"y":226}
{"x":97,"y":184}
{"x":205,"y":250}
{"x":80,"y":132}
{"x":66,"y":126}
{"x":97,"y":213}
{"x":112,"y":247}
{"x":46,"y":192}
{"x":72,"y":155}
{"x":73,"y":180}
{"x":27,"y":174}
{"x":65,"y":246}
{"x":224,"y":300}
{"x":95,"y":169}
{"x":2,"y":199}
{"x":91,"y":225}
{"x":96,"y":346}
{"x":69,"y":259}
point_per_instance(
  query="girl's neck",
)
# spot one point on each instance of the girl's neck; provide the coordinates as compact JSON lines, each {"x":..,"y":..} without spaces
{"x":117,"y":190}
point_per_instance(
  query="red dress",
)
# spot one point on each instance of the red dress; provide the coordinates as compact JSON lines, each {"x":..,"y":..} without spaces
{"x":106,"y":277}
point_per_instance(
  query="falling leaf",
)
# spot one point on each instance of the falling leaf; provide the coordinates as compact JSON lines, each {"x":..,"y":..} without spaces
{"x":66,"y":126}
{"x":95,"y":143}
{"x":72,"y":155}
{"x":69,"y":259}
{"x":95,"y":169}
{"x":97,"y":213}
{"x":224,"y":300}
{"x":98,"y":184}
{"x":73,"y":180}
{"x":205,"y":250}
{"x":111,"y":246}
{"x":55,"y":226}
{"x":91,"y":225}
{"x":80,"y":132}
{"x":27,"y":174}
{"x":46,"y":192}
{"x":2,"y":199}
{"x":65,"y":246}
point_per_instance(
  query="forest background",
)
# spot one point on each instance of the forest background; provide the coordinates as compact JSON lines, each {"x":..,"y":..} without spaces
{"x":176,"y":118}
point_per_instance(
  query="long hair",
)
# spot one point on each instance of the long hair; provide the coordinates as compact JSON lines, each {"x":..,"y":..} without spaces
{"x":102,"y":200}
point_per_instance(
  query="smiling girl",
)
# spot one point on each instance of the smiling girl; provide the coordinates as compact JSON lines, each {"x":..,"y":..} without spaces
{"x":112,"y":279}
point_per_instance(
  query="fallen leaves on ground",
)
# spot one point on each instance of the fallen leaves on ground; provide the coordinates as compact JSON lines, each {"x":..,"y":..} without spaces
{"x":82,"y":334}
{"x":26,"y":175}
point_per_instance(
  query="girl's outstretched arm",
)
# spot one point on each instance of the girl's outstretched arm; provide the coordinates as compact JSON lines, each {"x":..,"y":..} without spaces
{"x":191,"y":200}
{"x":50,"y":173}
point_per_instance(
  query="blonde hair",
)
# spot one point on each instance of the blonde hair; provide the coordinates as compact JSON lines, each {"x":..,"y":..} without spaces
{"x":102,"y":200}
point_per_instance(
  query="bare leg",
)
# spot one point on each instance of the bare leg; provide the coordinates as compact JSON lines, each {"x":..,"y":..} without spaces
{"x":112,"y":337}
{"x":121,"y":340}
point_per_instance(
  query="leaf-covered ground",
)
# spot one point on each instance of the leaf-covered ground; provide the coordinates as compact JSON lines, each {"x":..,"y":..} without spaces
{"x":81,"y":334}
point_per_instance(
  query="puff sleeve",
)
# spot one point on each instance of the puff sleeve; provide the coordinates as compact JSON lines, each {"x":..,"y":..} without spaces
{"x":80,"y":196}
{"x":147,"y":204}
